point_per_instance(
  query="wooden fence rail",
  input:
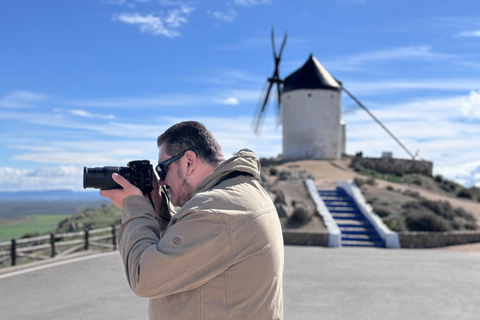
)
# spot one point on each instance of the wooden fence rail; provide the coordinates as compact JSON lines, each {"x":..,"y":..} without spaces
{"x":47,"y":246}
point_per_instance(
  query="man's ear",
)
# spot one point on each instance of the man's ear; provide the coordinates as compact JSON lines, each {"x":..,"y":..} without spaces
{"x":191,"y":161}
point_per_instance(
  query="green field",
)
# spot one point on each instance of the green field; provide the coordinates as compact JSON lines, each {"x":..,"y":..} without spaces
{"x":29,"y":225}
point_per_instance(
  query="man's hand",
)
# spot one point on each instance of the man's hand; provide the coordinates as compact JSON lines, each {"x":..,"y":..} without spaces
{"x":117,"y":195}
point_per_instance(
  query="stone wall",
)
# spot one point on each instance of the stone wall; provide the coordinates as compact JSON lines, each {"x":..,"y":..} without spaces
{"x":396,"y":166}
{"x":408,"y":240}
{"x":437,"y":239}
{"x":305,"y":238}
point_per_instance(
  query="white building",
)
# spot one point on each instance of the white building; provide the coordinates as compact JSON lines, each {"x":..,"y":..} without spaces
{"x":311,"y":111}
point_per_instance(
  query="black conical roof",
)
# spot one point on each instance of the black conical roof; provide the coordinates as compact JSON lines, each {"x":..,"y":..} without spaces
{"x":312,"y":75}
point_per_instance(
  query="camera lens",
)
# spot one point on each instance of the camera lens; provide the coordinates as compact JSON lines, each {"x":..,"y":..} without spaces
{"x":101,"y":177}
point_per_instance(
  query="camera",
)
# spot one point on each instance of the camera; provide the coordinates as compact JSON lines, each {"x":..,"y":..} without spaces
{"x":138,"y":172}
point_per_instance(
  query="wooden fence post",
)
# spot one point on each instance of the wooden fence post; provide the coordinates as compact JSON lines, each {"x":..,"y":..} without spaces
{"x":52,"y":243}
{"x":86,"y":239}
{"x":13,"y":253}
{"x":114,"y":238}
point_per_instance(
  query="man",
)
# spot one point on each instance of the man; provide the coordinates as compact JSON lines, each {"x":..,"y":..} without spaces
{"x":221,"y":255}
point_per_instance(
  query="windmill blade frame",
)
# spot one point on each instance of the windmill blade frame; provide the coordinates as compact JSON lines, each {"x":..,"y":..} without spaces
{"x":265,"y":94}
{"x":375,"y":118}
{"x":261,"y":106}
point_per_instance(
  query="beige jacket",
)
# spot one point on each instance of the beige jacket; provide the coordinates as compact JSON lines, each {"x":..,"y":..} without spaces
{"x":221,"y":255}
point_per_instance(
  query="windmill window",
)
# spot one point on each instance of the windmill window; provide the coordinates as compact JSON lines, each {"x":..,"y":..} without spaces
{"x":309,"y":94}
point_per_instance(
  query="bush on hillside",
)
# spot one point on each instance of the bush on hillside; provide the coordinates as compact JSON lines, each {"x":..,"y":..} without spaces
{"x":273,"y":171}
{"x":382,"y":212}
{"x":301,"y":215}
{"x":425,"y":221}
{"x":465,"y":193}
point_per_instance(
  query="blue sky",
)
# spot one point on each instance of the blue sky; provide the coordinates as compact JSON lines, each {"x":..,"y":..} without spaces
{"x":94,"y":82}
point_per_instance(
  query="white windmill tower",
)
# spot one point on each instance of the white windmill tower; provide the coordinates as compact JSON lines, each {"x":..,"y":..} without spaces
{"x":311,"y":112}
{"x":309,"y":103}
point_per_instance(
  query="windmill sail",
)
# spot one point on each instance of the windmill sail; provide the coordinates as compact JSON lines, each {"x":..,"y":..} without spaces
{"x":378,"y":121}
{"x":265,"y":94}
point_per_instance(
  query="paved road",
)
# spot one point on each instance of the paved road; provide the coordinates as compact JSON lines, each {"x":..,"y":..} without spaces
{"x":319,"y":283}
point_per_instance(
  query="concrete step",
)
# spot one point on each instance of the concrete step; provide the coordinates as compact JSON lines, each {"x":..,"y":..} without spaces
{"x":356,"y":230}
{"x":339,"y":203}
{"x":360,"y":237}
{"x":332,"y":198}
{"x":343,"y":209}
{"x":347,"y":215}
{"x":352,"y":223}
{"x":361,"y":244}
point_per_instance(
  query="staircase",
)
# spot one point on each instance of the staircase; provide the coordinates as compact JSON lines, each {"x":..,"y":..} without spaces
{"x":356,"y":230}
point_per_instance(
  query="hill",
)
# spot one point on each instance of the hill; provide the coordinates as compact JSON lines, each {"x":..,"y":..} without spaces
{"x":434,"y":203}
{"x":17,"y":205}
{"x":50,"y":195}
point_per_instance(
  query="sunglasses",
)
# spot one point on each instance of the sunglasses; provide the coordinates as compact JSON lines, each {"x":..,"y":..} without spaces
{"x":162,"y":167}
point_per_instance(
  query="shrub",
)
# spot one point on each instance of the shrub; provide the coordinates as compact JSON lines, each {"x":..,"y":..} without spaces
{"x":411,"y":193}
{"x":464,"y":193}
{"x":439,"y":178}
{"x":399,"y":172}
{"x":273,"y":171}
{"x":372,"y":200}
{"x":382,"y":212}
{"x":417,"y":180}
{"x":301,"y":215}
{"x":441,"y":208}
{"x":395,"y":224}
{"x":390,"y":188}
{"x":411,"y":205}
{"x":425,"y":221}
{"x":448,"y":186}
{"x":470,"y":226}
{"x":371,"y":181}
{"x":358,"y":181}
{"x":460,"y":212}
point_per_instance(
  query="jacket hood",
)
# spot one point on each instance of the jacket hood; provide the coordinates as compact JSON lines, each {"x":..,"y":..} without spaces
{"x":244,"y":161}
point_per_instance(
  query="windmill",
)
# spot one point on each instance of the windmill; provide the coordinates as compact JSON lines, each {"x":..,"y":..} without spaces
{"x":309,"y":104}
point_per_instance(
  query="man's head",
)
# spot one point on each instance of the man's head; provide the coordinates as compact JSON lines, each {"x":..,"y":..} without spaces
{"x":196,"y":154}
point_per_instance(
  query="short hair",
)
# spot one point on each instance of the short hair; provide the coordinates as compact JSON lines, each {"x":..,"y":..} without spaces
{"x":191,"y":135}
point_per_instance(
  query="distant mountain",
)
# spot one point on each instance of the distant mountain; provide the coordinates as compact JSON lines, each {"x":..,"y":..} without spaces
{"x":52,"y":195}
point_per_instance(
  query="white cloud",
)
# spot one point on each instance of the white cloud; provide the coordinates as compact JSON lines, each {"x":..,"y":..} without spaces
{"x":470,"y":106}
{"x":117,"y":2}
{"x":21,"y":99}
{"x":353,"y":62}
{"x":387,"y":86}
{"x":251,"y":2}
{"x":87,"y":152}
{"x":233,"y":134}
{"x":467,"y":173}
{"x":172,"y":100}
{"x":438,"y":128}
{"x":61,"y":177}
{"x":232,"y":101}
{"x":227,"y":16}
{"x":86,"y":114}
{"x":159,"y":23}
{"x":353,"y":1}
{"x":474,"y":33}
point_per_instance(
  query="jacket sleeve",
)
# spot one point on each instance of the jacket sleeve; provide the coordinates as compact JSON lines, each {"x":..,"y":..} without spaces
{"x":193,"y":250}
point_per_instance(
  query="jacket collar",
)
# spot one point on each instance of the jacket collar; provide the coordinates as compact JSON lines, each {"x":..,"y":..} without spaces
{"x":245,"y":161}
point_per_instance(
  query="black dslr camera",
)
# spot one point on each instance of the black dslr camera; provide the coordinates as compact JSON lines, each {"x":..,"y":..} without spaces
{"x":139,"y":173}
